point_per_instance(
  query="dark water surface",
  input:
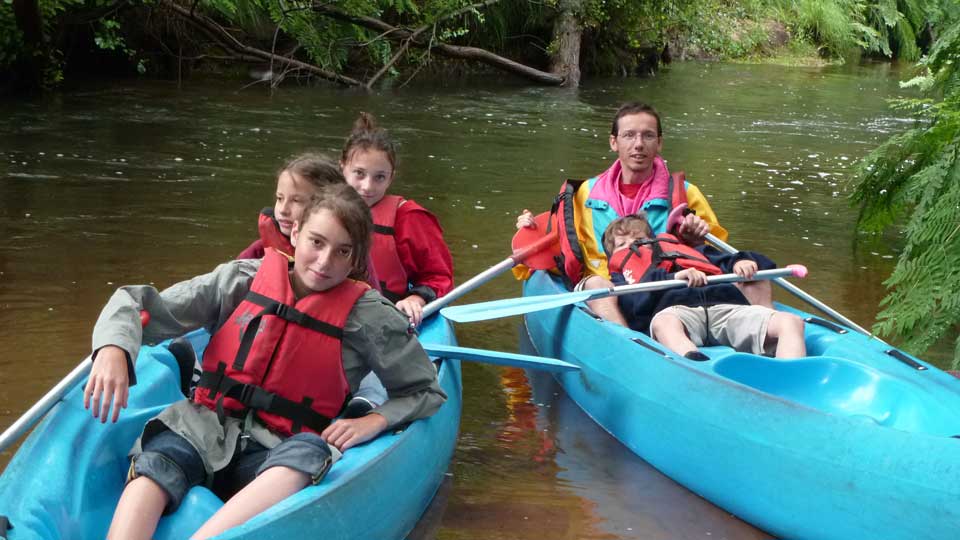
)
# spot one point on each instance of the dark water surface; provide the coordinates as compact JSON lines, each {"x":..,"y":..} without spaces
{"x":142,"y":182}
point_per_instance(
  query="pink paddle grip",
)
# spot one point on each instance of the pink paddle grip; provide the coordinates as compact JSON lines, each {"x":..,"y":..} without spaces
{"x":799,"y":270}
{"x":675,"y":217}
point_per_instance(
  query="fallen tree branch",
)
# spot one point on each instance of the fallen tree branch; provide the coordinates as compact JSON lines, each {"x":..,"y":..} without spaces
{"x":226,"y":40}
{"x":388,"y":65}
{"x":452,"y":51}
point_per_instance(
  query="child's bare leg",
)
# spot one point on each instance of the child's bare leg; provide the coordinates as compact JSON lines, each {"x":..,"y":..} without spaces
{"x":607,"y":308}
{"x":758,"y":293}
{"x":669,"y":330}
{"x":138,"y":511}
{"x":267,"y":489}
{"x":787,"y":330}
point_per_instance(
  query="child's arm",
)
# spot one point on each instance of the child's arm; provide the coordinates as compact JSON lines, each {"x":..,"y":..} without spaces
{"x":204,"y":301}
{"x":423,"y":252}
{"x":377,"y":339}
{"x":253,"y":251}
{"x":728,"y":262}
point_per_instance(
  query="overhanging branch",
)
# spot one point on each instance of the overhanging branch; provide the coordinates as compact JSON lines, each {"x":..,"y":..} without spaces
{"x":413,"y":38}
{"x":226,"y":40}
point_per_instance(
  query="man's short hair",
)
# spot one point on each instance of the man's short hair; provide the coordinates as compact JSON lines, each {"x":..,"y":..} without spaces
{"x":634,"y":107}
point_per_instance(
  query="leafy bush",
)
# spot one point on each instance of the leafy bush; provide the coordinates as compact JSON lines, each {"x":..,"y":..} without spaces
{"x":913,"y":182}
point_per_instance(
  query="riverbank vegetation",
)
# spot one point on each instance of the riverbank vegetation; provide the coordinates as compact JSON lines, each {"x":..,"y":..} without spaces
{"x":371,"y":42}
{"x":911,"y":183}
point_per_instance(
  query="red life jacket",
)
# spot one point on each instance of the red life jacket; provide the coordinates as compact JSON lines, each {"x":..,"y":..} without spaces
{"x":570,"y":261}
{"x":271,"y":235}
{"x":280,"y":356}
{"x":394,"y":281}
{"x":665,"y":252}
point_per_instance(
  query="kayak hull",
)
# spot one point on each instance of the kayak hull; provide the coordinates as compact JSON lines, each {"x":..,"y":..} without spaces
{"x":850,"y":444}
{"x":65,"y":480}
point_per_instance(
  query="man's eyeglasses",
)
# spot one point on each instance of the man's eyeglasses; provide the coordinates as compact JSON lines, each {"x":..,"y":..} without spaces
{"x":646,"y":136}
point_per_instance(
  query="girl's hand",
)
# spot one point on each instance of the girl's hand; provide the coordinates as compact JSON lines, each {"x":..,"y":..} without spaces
{"x":346,"y":433}
{"x":693,"y":229}
{"x":525,"y":219}
{"x":694,"y":277}
{"x":745,"y":268}
{"x":412,"y":307}
{"x":109,"y":383}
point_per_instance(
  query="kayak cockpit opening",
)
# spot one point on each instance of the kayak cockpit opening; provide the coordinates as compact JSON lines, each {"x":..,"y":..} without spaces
{"x":847,"y":388}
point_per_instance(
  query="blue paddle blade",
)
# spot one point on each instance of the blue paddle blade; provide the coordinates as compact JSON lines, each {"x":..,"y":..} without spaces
{"x":515,"y":306}
{"x":499,"y":358}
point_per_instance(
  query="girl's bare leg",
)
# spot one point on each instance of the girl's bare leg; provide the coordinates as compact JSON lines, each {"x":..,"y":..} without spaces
{"x":270,"y":487}
{"x":138,"y":511}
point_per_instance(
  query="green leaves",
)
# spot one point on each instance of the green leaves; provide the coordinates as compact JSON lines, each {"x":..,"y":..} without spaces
{"x":916,"y":177}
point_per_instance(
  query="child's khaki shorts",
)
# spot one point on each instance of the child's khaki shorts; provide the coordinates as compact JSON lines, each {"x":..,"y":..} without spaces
{"x":739,"y":326}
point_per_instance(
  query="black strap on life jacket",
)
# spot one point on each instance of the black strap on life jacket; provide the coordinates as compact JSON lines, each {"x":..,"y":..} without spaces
{"x":285,"y":312}
{"x":384,"y":230}
{"x":660,"y":255}
{"x":255,"y":397}
{"x":569,"y":227}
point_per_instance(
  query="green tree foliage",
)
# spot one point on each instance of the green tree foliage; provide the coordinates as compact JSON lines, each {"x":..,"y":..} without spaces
{"x":912,"y":182}
{"x":619,"y":36}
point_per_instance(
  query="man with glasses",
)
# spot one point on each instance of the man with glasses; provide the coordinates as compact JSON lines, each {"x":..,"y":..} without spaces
{"x":637,"y":180}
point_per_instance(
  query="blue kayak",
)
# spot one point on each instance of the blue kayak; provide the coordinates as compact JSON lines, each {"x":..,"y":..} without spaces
{"x":857,"y":441}
{"x":66,"y":478}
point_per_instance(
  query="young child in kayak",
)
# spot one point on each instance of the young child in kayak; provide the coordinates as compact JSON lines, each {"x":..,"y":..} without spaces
{"x":412,"y":260}
{"x":288,"y":345}
{"x":684,"y":319}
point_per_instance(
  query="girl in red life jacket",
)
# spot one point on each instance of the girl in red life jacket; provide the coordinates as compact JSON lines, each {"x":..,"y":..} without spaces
{"x":288,"y":345}
{"x":410,"y":256}
{"x":297,"y":181}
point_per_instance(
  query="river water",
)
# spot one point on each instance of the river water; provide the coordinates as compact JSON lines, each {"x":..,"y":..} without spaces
{"x":142,"y":182}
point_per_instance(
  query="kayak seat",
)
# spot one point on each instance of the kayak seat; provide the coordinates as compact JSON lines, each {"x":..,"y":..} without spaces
{"x":818,"y":340}
{"x":842,"y":387}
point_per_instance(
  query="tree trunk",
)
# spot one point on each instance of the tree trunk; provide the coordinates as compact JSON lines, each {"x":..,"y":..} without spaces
{"x":30,"y":66}
{"x":567,"y":31}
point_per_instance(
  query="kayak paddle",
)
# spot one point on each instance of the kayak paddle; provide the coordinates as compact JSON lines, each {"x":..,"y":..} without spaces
{"x":499,"y":358}
{"x":518,"y":306}
{"x":530,"y":247}
{"x":797,"y":291}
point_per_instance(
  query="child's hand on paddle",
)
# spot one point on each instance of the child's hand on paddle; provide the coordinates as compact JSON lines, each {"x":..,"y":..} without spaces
{"x":412,"y":307}
{"x":745,"y":268}
{"x":694,"y":277}
{"x":525,"y":219}
{"x":346,"y":433}
{"x":109,"y":383}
